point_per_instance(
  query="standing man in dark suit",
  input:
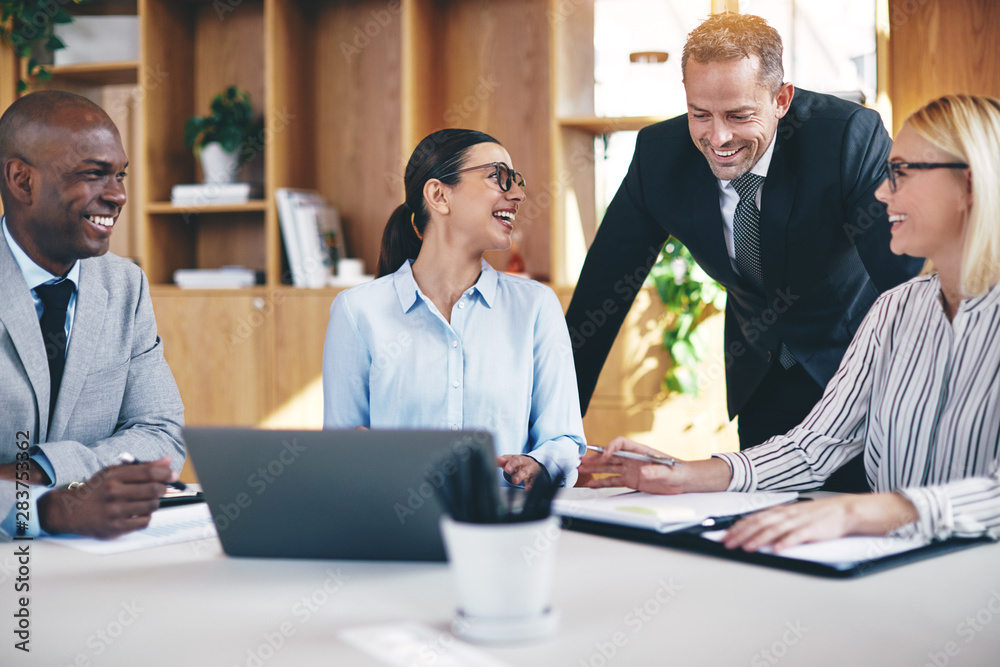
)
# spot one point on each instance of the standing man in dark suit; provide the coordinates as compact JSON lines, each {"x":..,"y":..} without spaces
{"x":772,"y":191}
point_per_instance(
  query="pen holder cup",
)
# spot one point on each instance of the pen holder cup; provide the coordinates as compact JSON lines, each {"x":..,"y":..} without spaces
{"x":503,"y":574}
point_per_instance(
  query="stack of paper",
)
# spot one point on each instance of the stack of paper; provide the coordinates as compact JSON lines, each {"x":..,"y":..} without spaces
{"x":166,"y":526}
{"x":214,"y":194}
{"x":228,"y":277}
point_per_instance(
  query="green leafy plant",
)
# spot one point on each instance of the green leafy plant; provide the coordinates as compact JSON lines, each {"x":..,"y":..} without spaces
{"x":231,"y":123}
{"x":29,"y":25}
{"x":689,"y":296}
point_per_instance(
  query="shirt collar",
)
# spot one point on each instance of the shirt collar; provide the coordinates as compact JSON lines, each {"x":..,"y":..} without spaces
{"x":763,"y":164}
{"x":35,"y":275}
{"x":990,"y":298}
{"x":407,"y":290}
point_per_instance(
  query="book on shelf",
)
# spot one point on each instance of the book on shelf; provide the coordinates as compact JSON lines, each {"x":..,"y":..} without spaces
{"x":213,"y":194}
{"x":228,"y":277}
{"x":312,"y":234}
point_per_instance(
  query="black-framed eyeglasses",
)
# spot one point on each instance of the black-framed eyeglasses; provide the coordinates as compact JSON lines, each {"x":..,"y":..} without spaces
{"x":893,"y":169}
{"x":506,"y":176}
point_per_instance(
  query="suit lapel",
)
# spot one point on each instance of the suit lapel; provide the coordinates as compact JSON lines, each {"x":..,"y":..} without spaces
{"x":88,"y":323}
{"x":708,"y":227}
{"x":18,"y":314}
{"x":775,"y":212}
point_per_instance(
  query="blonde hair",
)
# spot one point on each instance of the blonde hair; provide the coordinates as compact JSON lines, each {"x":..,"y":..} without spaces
{"x":968,"y":127}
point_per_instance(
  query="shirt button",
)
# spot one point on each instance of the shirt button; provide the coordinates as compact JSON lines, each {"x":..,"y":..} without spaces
{"x":454,"y":343}
{"x":454,"y":427}
{"x":461,"y":304}
{"x":455,"y":384}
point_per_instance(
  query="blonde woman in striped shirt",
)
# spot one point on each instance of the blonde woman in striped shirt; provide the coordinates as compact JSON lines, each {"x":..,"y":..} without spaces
{"x":918,"y":391}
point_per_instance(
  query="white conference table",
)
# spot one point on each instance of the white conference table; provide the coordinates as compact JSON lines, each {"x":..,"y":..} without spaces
{"x":621,"y":604}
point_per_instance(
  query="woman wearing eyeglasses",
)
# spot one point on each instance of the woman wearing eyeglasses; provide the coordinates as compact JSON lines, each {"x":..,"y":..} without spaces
{"x":440,"y":340}
{"x":918,"y":391}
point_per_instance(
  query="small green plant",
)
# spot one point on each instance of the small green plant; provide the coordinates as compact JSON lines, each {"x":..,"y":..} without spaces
{"x":689,"y":296}
{"x":27,"y":25}
{"x":230,"y":124}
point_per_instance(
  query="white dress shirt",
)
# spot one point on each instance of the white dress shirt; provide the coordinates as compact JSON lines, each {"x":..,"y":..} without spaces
{"x":729,"y":198}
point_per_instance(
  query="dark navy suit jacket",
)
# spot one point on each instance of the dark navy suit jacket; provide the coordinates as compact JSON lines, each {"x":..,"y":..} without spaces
{"x":824,"y":243}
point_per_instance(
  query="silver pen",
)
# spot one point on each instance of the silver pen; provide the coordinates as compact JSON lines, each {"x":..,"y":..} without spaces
{"x":664,"y":460}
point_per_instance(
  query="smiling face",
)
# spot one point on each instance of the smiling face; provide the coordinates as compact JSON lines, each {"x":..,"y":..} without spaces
{"x":484,"y":215}
{"x":929,"y":208}
{"x":71,"y":188}
{"x":732,"y":116}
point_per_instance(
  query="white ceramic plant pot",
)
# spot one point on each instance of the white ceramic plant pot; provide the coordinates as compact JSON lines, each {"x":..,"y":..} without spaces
{"x":217,"y":165}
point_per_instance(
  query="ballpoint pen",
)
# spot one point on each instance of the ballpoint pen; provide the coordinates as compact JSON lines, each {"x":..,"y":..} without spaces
{"x":664,"y":460}
{"x":130,"y":460}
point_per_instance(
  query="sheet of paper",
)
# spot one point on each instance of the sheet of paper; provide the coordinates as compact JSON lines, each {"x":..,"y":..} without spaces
{"x":841,"y":553}
{"x":661,"y":513}
{"x":416,"y":645}
{"x":167,"y":526}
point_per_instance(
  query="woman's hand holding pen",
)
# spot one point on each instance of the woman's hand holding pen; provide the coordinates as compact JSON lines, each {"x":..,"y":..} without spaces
{"x":691,"y":476}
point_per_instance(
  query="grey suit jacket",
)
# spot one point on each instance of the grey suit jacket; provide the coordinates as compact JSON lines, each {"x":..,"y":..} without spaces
{"x":117,"y":392}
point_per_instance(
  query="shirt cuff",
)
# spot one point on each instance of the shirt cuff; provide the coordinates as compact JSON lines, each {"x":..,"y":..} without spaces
{"x":936,"y":520}
{"x":43,"y":462}
{"x":744,"y":474}
{"x":562,"y":454}
{"x":34,"y":527}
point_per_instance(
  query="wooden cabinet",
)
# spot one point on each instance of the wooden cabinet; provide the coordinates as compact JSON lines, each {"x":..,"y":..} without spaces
{"x":219,"y":345}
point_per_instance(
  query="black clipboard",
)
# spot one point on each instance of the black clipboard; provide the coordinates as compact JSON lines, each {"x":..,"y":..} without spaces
{"x":691,"y":540}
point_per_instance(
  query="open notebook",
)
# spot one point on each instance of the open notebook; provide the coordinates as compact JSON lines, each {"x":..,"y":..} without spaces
{"x":662,"y":514}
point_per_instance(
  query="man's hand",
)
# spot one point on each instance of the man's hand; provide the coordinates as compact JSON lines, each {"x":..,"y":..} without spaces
{"x":520,"y":469}
{"x":36,"y":475}
{"x":827,"y":519}
{"x":117,"y":500}
{"x":686,"y":477}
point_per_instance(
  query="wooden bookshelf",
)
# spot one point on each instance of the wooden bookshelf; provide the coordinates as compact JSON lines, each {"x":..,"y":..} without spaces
{"x":252,"y":206}
{"x":600,"y":125}
{"x":94,"y":74}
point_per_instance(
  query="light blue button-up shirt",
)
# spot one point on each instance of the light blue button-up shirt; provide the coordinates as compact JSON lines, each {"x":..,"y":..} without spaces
{"x":503,"y":364}
{"x":34,"y":276}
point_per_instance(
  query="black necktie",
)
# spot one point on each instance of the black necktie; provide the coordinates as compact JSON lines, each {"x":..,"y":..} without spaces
{"x":746,"y":228}
{"x":56,"y":298}
{"x":746,"y":241}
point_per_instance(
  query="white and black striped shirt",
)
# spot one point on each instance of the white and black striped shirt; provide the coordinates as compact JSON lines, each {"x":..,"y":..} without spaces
{"x":921,"y":396}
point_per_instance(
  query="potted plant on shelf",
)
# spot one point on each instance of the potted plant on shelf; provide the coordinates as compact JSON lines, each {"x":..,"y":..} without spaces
{"x":28,"y":26}
{"x":223,"y":139}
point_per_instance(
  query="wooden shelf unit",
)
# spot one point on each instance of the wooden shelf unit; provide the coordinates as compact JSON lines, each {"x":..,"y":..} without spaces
{"x":93,"y":74}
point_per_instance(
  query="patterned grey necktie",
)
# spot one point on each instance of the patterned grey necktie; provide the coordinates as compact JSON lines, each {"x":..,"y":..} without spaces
{"x":746,"y":241}
{"x":746,"y":228}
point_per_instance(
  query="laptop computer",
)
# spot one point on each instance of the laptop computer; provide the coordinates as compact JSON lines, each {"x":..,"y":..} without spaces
{"x":360,"y":495}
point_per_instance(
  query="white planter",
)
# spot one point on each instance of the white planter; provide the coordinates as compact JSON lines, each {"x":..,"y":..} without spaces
{"x":217,"y":165}
{"x":503,"y":576}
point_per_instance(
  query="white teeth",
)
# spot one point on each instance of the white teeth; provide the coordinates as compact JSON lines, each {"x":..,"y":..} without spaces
{"x":103,"y":220}
{"x":896,"y":218}
{"x":725,"y":153}
{"x":506,"y":215}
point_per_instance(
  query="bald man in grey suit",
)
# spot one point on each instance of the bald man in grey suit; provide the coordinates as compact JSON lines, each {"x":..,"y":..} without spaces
{"x":62,"y":186}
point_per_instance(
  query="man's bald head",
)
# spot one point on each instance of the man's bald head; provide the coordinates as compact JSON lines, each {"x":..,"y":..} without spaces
{"x":34,"y":116}
{"x":62,"y":172}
